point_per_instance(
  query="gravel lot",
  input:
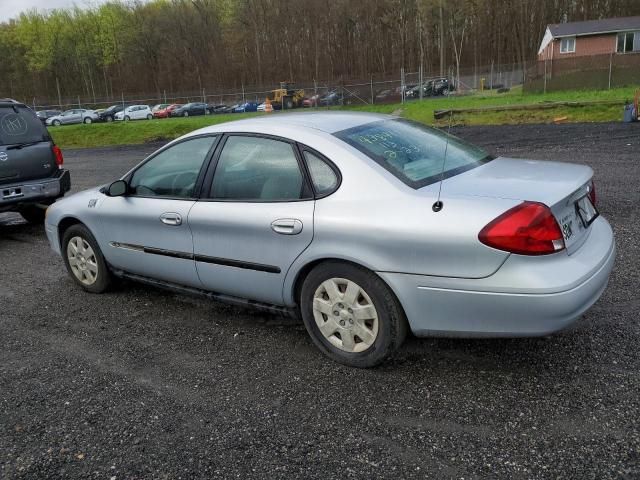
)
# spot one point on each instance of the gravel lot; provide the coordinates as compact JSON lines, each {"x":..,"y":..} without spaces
{"x":140,"y":383}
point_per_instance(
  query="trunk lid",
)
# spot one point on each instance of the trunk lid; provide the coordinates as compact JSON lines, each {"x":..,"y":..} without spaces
{"x":25,"y":146}
{"x":560,"y":186}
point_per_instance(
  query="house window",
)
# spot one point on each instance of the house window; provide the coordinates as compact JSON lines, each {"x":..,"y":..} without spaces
{"x":568,"y":45}
{"x":628,"y":42}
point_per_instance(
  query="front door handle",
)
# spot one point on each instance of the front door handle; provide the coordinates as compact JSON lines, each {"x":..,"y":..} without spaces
{"x":172,"y":219}
{"x":287,"y":226}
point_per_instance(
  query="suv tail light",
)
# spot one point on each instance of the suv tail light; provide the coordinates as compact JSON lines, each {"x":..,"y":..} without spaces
{"x":58,"y":154}
{"x":592,"y":193}
{"x":527,"y":229}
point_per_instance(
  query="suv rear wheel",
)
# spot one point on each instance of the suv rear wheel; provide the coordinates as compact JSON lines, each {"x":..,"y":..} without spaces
{"x":351,"y":314}
{"x":84,"y":261}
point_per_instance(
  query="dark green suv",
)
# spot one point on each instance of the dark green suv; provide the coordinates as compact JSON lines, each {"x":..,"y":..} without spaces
{"x":31,"y":173}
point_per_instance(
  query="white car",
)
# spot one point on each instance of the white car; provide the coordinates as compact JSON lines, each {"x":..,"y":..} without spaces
{"x":135,"y":112}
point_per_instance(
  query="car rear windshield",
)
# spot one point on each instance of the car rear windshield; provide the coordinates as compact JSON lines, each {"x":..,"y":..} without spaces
{"x":414,"y":152}
{"x":19,"y":125}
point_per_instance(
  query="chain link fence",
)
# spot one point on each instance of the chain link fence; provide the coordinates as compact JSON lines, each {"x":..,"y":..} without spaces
{"x":595,"y":72}
{"x":371,"y":90}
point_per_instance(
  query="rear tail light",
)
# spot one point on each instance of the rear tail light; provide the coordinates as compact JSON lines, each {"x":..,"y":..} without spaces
{"x":58,"y":154}
{"x":527,"y":229}
{"x":592,"y":193}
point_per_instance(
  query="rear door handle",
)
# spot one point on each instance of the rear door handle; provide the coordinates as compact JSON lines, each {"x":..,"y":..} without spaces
{"x":287,"y":226}
{"x":172,"y":219}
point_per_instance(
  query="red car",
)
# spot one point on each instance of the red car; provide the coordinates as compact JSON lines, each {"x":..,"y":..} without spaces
{"x":165,"y":112}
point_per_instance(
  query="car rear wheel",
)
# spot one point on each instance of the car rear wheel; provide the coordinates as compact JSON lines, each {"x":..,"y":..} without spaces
{"x":351,"y":314}
{"x":185,"y":114}
{"x":33,"y":214}
{"x":87,"y":120}
{"x":109,"y":118}
{"x":149,"y":117}
{"x":56,"y":123}
{"x":84,"y":261}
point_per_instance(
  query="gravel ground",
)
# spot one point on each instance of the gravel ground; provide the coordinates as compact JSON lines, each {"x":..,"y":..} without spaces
{"x":140,"y":383}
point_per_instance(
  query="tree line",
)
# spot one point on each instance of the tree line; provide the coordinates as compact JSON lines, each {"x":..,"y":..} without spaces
{"x":190,"y":45}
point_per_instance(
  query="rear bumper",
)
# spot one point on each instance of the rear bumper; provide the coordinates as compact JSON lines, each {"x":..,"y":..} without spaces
{"x":34,"y":191}
{"x":527,"y":296}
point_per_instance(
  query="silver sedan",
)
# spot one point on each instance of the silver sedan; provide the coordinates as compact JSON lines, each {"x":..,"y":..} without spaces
{"x":365,"y":226}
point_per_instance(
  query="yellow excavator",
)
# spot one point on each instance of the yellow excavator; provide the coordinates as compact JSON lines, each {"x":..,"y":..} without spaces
{"x":286,"y":97}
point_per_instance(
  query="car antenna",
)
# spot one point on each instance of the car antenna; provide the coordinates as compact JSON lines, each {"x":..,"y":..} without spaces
{"x":437,"y":206}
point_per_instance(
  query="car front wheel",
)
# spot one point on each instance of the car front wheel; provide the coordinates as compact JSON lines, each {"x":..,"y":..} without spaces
{"x":56,"y":123}
{"x":351,"y":314}
{"x":185,"y":114}
{"x":87,"y":120}
{"x":84,"y":261}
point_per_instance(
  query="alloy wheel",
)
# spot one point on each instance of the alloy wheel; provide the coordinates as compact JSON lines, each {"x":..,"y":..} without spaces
{"x":82,"y":260}
{"x":345,"y":315}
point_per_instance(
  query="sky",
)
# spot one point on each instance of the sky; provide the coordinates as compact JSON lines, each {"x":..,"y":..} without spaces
{"x":12,"y":8}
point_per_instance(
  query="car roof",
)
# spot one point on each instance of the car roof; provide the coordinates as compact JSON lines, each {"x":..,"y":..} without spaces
{"x":328,"y":122}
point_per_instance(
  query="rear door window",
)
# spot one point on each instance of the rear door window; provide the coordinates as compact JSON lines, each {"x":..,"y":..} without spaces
{"x":19,"y":125}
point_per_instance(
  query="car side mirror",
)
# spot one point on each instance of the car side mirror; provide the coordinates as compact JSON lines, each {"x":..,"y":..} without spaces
{"x":117,"y":189}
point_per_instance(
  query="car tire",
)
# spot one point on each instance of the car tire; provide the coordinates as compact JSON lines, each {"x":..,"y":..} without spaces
{"x":185,"y":114}
{"x":87,"y":120}
{"x":33,"y":214}
{"x":84,"y":260}
{"x":149,"y":117}
{"x":109,"y":119}
{"x":127,"y":118}
{"x":56,"y":123}
{"x":331,"y":317}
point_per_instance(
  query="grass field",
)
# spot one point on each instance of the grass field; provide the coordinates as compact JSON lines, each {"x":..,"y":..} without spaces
{"x":120,"y":133}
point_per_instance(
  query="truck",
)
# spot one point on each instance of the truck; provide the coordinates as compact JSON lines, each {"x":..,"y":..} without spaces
{"x":32,"y":176}
{"x":286,"y":97}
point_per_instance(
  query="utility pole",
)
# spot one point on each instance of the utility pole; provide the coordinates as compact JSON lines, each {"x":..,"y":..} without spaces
{"x":441,"y":40}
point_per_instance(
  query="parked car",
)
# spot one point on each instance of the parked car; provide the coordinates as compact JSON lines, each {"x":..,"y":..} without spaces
{"x":311,"y":101}
{"x":135,"y":112}
{"x":385,"y":95}
{"x":43,"y":115}
{"x":330,"y":99}
{"x":246,"y":107}
{"x":166,"y":112}
{"x":191,"y":109}
{"x":159,"y":106}
{"x":432,"y":88}
{"x":360,"y":223}
{"x":219,"y":108}
{"x":73,"y":116}
{"x":31,"y":165}
{"x":108,"y":114}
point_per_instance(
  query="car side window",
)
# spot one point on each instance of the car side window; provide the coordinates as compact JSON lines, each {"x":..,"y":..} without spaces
{"x":257,"y":169}
{"x":324,"y":178}
{"x":174,"y":171}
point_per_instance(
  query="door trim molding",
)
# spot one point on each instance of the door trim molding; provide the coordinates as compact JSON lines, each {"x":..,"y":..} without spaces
{"x":227,"y":262}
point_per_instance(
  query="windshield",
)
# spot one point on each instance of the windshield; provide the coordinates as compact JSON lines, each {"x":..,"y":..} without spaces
{"x":414,"y":152}
{"x":19,"y":125}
